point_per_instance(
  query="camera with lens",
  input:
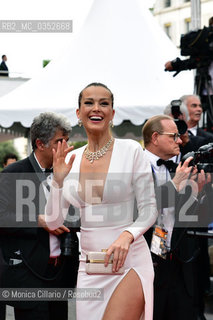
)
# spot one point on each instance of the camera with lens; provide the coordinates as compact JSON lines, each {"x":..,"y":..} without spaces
{"x":70,"y":243}
{"x":176,"y":113}
{"x":198,"y":45}
{"x":203,"y":158}
{"x":176,"y":108}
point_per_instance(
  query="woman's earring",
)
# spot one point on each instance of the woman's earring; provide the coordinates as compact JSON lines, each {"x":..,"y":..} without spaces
{"x":111,"y":124}
{"x":80,"y":123}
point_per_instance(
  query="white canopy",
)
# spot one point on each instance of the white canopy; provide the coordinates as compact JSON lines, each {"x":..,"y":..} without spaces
{"x":120,"y":45}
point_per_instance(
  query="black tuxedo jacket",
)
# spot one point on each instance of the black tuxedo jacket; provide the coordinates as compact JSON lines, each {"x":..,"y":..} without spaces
{"x":3,"y":67}
{"x":205,"y":134}
{"x":184,"y":249}
{"x":22,"y":199}
{"x":195,"y":142}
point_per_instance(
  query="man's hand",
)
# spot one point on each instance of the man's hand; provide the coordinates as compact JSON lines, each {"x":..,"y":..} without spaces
{"x":56,"y":232}
{"x":203,"y":179}
{"x":168,"y":66}
{"x":183,"y":172}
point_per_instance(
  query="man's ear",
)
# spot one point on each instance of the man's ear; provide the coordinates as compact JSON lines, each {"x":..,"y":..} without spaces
{"x":39,"y":144}
{"x":155,"y":138}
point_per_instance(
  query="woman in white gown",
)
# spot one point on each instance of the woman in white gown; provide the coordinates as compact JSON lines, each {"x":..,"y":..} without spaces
{"x":103,"y":179}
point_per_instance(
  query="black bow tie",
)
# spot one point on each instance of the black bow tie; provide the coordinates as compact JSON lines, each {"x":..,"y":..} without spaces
{"x":169,"y":164}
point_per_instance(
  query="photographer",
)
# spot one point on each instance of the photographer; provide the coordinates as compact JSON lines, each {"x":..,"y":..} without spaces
{"x":175,"y":260}
{"x":198,"y":45}
{"x":31,"y":253}
{"x":184,"y":111}
{"x":195,"y":111}
{"x":178,"y":110}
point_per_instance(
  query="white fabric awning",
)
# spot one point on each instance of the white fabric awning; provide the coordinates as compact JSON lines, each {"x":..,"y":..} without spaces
{"x":120,"y":45}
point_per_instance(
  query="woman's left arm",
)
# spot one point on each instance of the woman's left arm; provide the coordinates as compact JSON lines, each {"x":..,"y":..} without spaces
{"x":143,"y":185}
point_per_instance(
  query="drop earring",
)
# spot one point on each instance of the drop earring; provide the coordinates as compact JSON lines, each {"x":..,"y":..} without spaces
{"x":80,"y":123}
{"x":111,"y":124}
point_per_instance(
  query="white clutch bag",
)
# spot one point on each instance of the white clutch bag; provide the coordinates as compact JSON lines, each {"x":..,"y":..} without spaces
{"x":95,"y":264}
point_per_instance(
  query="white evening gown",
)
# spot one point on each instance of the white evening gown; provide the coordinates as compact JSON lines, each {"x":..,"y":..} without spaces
{"x":129,"y":176}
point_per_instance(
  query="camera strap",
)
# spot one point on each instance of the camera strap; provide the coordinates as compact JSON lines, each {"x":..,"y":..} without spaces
{"x":40,"y":276}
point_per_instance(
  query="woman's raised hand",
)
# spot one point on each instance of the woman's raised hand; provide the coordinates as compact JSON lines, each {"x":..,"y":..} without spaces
{"x":60,"y":167}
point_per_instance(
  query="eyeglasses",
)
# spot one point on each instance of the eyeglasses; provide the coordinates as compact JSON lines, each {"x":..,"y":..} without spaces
{"x":176,"y":136}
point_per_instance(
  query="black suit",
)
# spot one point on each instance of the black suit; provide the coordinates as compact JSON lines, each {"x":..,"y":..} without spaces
{"x":195,"y":142}
{"x":4,"y":68}
{"x":175,"y":283}
{"x":204,"y":262}
{"x":202,"y":138}
{"x":25,"y":238}
{"x":205,"y":134}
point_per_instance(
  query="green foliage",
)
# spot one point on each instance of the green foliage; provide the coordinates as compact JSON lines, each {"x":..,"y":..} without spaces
{"x":45,"y":63}
{"x":78,"y":144}
{"x":5,"y":148}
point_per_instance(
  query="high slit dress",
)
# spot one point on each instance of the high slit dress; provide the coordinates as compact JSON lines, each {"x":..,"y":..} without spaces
{"x":129,"y":177}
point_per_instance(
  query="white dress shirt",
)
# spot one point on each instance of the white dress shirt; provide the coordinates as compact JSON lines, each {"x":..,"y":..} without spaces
{"x":55,"y":250}
{"x":162,"y":175}
{"x":193,"y":130}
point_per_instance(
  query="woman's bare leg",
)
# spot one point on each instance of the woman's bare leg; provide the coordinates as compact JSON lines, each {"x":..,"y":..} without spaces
{"x":127,"y":301}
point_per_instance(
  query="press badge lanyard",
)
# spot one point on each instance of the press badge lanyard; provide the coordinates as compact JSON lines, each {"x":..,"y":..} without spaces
{"x":155,"y":175}
{"x":159,"y":236}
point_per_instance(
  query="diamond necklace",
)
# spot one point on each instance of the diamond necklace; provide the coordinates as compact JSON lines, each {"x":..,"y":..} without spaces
{"x":91,"y":156}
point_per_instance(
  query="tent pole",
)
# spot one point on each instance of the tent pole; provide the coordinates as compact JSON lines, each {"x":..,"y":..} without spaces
{"x":196,"y":14}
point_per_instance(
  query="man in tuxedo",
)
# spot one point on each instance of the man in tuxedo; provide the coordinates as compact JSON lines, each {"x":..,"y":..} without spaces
{"x":30,"y":255}
{"x":3,"y":67}
{"x":175,"y":284}
{"x":199,"y":137}
{"x":194,"y":106}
